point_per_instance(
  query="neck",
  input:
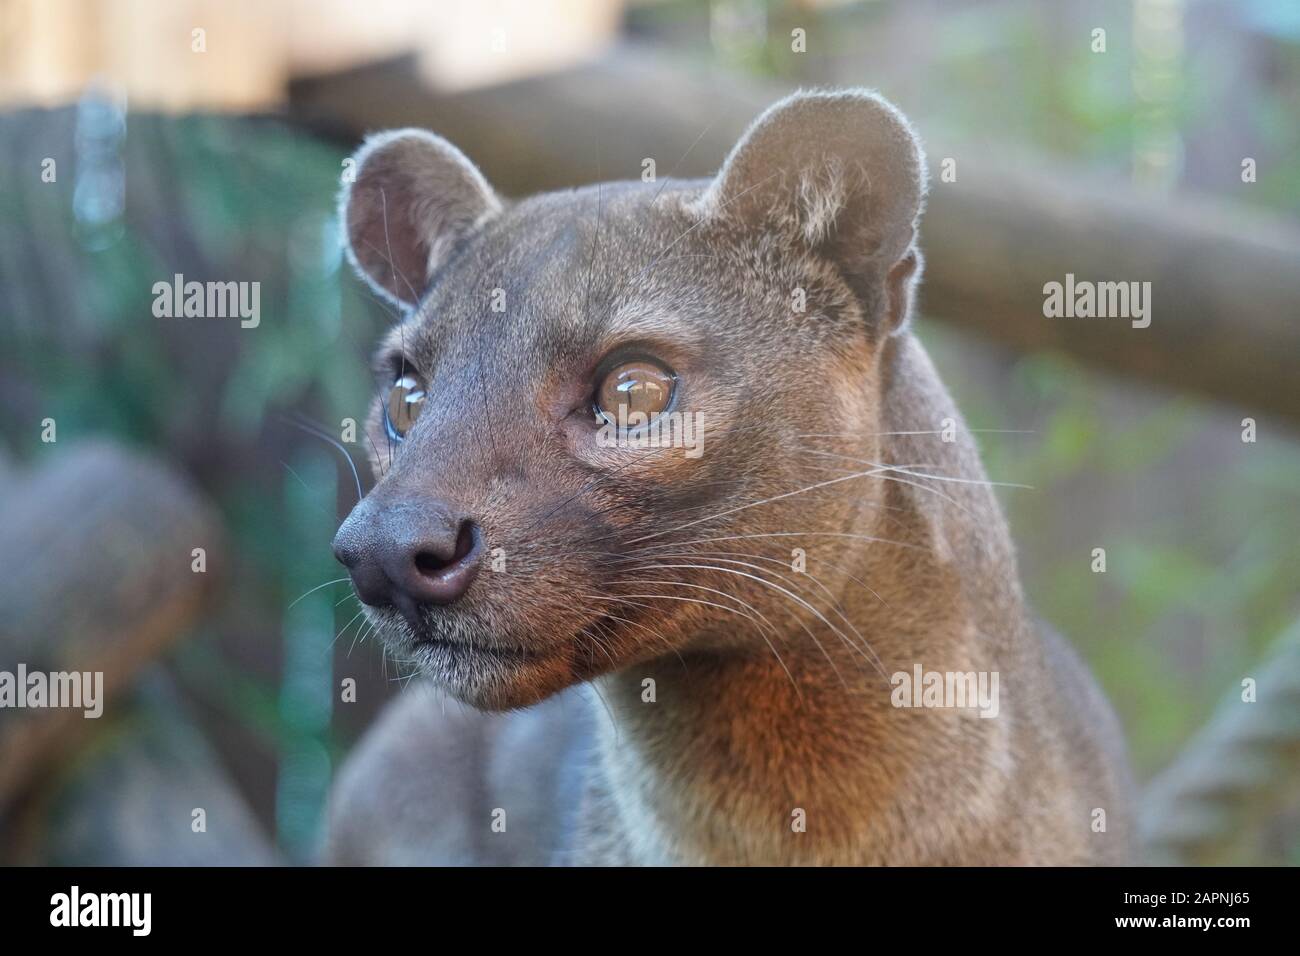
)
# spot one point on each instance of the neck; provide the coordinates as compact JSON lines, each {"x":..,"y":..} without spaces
{"x":724,"y":764}
{"x":741,"y":756}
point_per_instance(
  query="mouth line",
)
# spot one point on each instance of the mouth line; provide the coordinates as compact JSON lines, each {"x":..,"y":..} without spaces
{"x":463,"y":651}
{"x":464,"y":648}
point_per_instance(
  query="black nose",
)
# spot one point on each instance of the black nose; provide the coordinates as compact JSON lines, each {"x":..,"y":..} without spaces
{"x":409,"y":554}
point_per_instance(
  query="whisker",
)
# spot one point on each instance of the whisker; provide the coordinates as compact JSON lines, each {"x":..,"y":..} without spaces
{"x":727,"y":557}
{"x":317,"y":588}
{"x":361,"y":635}
{"x":903,"y":470}
{"x":383,"y":200}
{"x":590,"y":485}
{"x":346,"y":626}
{"x":755,"y":615}
{"x":886,"y":472}
{"x":637,"y":624}
{"x":790,"y":594}
{"x":312,"y":430}
{"x":788,"y":494}
{"x":936,"y":431}
{"x":699,"y":222}
{"x":667,"y":179}
{"x":786,"y":534}
{"x":770,"y":645}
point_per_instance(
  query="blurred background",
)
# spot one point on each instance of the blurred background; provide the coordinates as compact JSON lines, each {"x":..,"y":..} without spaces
{"x":167,"y":500}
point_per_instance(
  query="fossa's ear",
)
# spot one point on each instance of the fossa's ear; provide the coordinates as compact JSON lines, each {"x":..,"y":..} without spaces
{"x":410,"y":199}
{"x":842,"y":173}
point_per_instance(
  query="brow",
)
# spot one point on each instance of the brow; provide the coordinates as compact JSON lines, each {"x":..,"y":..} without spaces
{"x":649,"y":323}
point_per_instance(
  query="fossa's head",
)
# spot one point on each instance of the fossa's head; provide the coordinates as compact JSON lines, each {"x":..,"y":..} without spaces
{"x":593,"y":426}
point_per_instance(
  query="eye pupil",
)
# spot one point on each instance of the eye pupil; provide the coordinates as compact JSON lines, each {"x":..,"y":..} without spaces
{"x":405,"y":399}
{"x":642,"y":386}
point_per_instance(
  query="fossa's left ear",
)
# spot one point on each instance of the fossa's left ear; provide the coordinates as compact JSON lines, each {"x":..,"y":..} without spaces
{"x":842,"y":173}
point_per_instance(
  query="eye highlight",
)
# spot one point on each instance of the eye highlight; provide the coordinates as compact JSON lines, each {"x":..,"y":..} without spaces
{"x":402,"y":406}
{"x":640,"y":386}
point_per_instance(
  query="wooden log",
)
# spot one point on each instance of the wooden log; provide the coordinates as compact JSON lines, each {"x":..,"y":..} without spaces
{"x":1225,"y":281}
{"x":129,"y":798}
{"x":96,"y":556}
{"x":1235,"y":775}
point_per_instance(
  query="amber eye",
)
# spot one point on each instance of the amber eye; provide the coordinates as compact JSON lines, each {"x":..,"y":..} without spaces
{"x":640,"y":386}
{"x":405,"y":399}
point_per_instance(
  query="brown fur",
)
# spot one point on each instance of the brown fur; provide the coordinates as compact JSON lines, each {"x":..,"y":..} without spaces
{"x":772,"y":691}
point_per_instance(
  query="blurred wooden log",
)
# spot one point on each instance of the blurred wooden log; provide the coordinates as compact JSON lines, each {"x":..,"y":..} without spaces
{"x":1235,"y":774}
{"x":1225,"y":282}
{"x":95,"y":575}
{"x":128,"y":799}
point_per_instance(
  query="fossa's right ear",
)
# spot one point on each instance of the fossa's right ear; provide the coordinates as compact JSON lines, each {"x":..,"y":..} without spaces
{"x":410,"y":199}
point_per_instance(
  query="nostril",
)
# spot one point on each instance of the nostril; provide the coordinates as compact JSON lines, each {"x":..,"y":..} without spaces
{"x":427,"y":563}
{"x":430,"y":563}
{"x":409,"y":554}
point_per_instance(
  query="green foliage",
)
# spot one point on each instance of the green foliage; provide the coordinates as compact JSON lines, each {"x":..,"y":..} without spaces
{"x":1200,"y":531}
{"x":1022,"y":73}
{"x":229,"y":200}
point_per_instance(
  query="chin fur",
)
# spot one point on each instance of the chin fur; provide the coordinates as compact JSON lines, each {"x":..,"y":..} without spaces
{"x":499,"y":674}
